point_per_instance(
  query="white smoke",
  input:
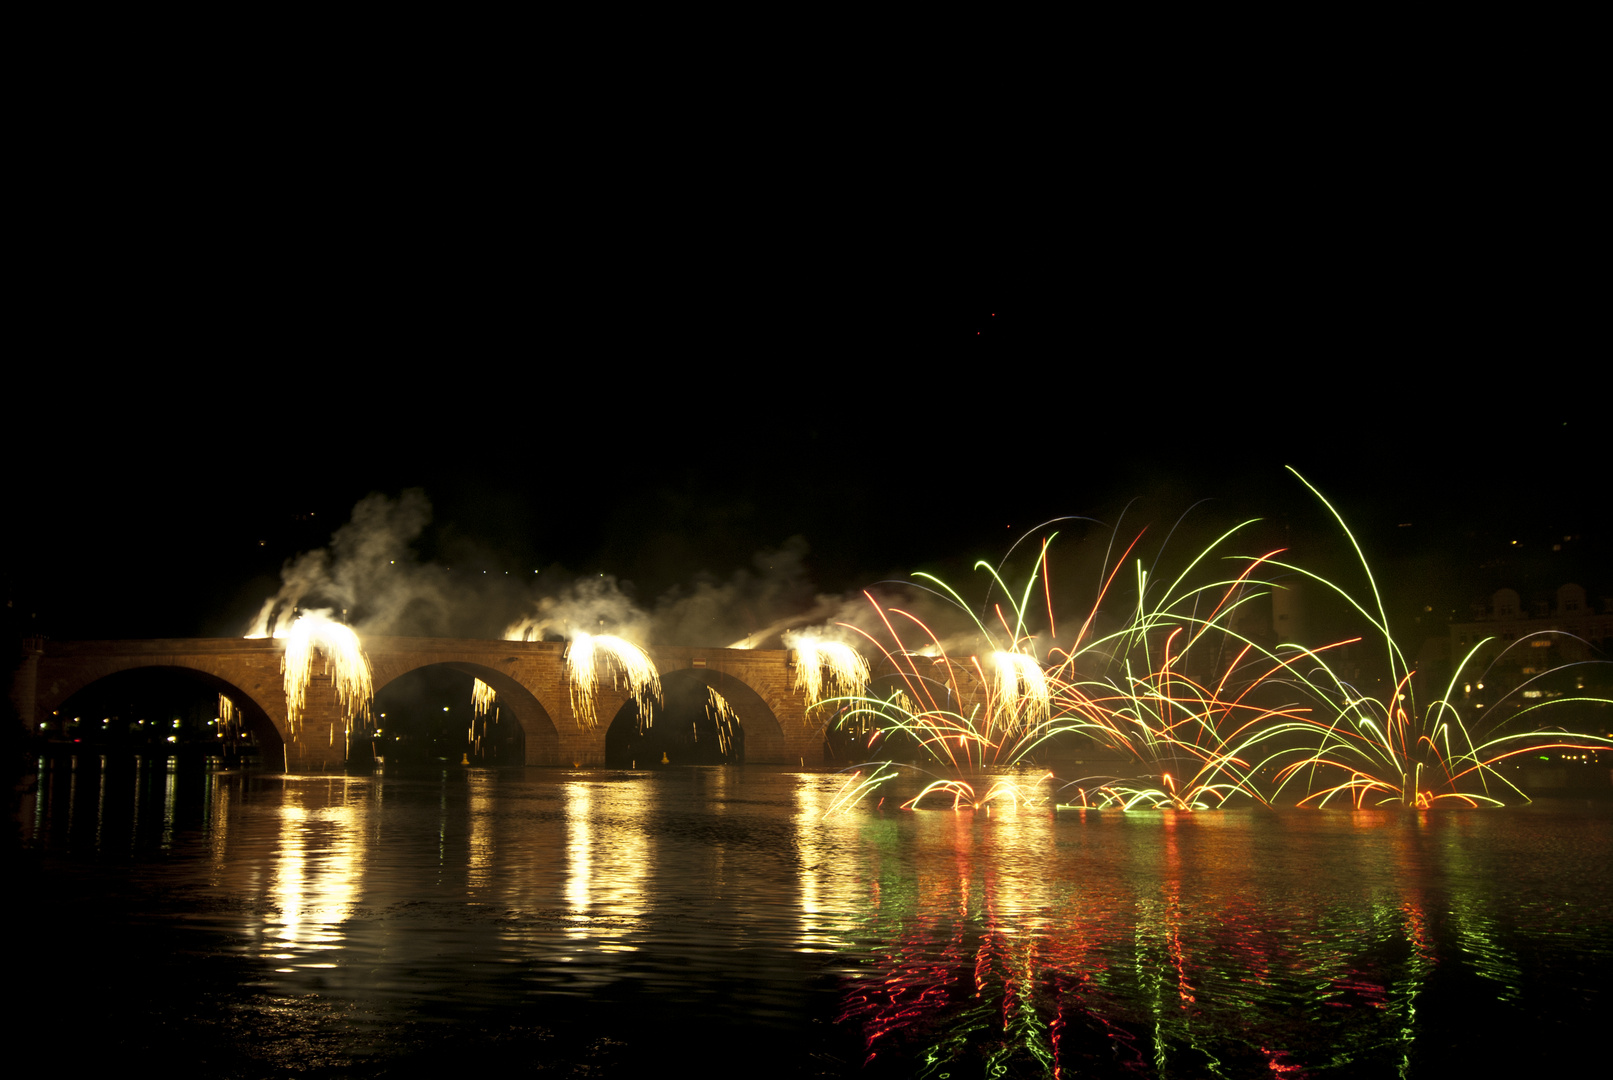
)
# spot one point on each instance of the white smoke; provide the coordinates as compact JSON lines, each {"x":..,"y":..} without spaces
{"x":369,"y":577}
{"x":905,"y":620}
{"x":595,"y":605}
{"x":749,"y":609}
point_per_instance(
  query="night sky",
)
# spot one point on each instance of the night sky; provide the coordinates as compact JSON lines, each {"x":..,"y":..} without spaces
{"x":872,"y":442}
{"x":655,"y":347}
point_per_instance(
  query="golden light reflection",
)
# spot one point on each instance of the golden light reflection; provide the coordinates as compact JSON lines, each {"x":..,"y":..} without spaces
{"x":607,"y":862}
{"x":169,"y":789}
{"x":218,"y":830}
{"x":316,"y":876}
{"x":831,"y":887}
{"x":482,"y":842}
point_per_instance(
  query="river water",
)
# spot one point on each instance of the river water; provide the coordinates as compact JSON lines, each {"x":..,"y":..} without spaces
{"x":596,"y":923}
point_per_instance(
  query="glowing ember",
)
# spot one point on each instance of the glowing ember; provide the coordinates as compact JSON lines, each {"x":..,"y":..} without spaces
{"x":627,"y":660}
{"x":847,"y":670}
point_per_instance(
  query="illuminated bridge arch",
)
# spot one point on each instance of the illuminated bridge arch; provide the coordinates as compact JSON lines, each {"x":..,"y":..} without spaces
{"x":537,"y":736}
{"x":684,"y":729}
{"x":241,"y":678}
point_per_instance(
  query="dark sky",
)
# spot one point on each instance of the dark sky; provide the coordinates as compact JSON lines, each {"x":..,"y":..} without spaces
{"x":654,"y":346}
{"x":162,"y":499}
{"x":660,"y":388}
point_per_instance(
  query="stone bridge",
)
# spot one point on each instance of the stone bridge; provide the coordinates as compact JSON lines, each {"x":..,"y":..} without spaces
{"x":527,"y":676}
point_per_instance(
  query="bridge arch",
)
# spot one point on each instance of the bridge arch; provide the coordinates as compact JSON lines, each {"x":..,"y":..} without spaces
{"x":537,"y":737}
{"x":683,"y":730}
{"x":71,"y":696}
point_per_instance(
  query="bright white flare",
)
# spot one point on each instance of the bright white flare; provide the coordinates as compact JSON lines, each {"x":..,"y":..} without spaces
{"x":345,"y":662}
{"x":1022,"y":695}
{"x":481,"y":698}
{"x":628,"y":660}
{"x":524,"y":630}
{"x":260,"y":625}
{"x":848,"y":671}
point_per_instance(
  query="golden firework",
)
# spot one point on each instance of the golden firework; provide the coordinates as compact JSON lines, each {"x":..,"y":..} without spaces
{"x":722,"y":714}
{"x":848,"y":672}
{"x":1023,"y":698}
{"x":345,"y":662}
{"x":627,"y":660}
{"x":482,"y":698}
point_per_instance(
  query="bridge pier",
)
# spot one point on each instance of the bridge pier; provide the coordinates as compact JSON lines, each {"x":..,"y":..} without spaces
{"x":319,"y":741}
{"x":25,"y":685}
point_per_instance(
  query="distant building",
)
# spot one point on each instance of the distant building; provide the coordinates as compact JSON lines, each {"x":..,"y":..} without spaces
{"x":1526,"y":654}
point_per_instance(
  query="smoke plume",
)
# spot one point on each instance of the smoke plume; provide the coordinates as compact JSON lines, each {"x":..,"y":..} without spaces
{"x":371,"y":578}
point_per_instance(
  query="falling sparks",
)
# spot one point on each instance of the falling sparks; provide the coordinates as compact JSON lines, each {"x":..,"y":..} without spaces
{"x":483,"y":702}
{"x":629,"y":661}
{"x":345,"y":662}
{"x":1023,"y":698}
{"x":481,"y":698}
{"x":229,"y":720}
{"x":848,"y":672}
{"x":722,"y":714}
